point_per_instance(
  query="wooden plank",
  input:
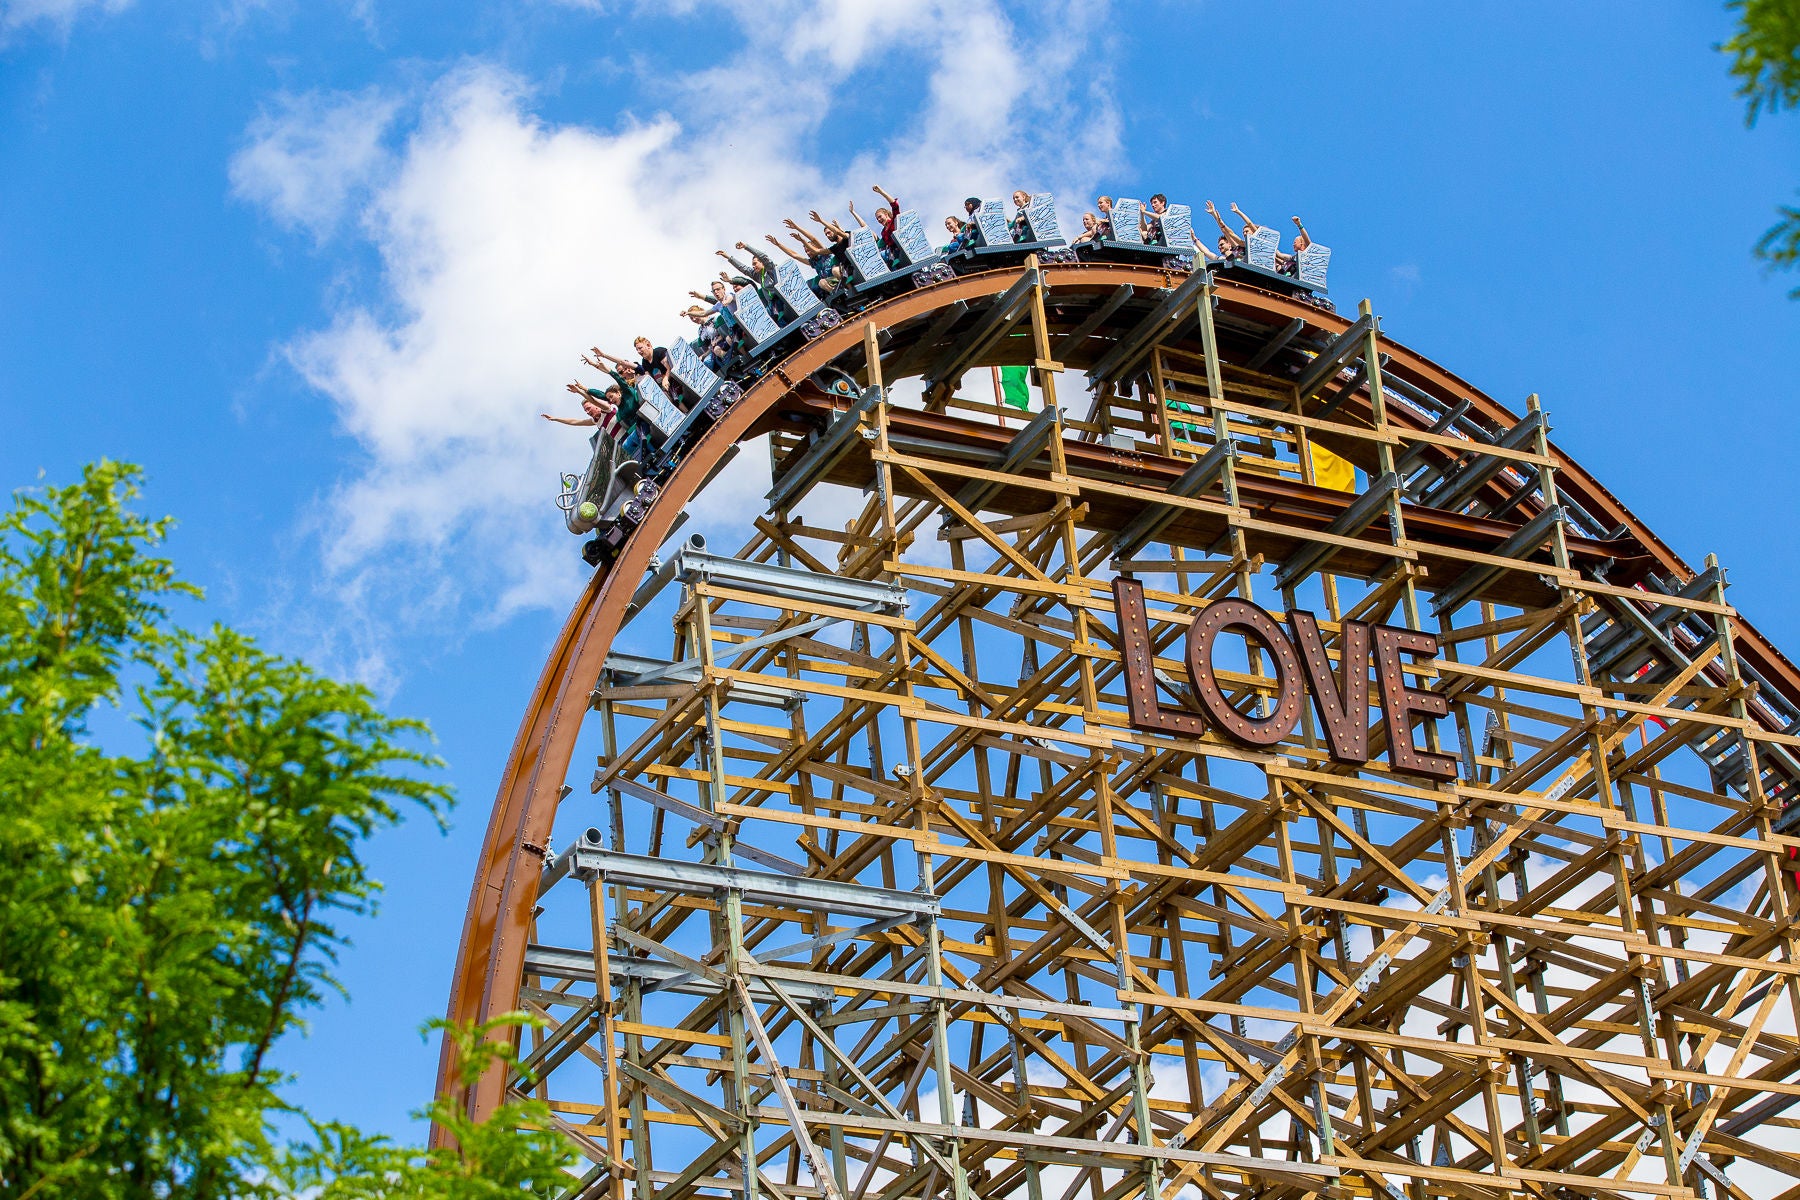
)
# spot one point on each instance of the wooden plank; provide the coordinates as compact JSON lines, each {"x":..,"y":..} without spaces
{"x":1057,"y":485}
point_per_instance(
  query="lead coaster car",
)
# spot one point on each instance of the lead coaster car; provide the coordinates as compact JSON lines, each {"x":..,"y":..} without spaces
{"x":588,"y":498}
{"x":623,"y":516}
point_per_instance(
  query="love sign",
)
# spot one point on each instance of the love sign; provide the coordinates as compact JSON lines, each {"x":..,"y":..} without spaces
{"x":1302,"y":669}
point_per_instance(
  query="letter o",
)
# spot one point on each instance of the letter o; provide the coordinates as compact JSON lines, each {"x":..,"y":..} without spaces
{"x":1256,"y":625}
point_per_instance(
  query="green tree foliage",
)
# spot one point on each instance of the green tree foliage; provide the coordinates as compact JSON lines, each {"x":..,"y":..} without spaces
{"x":514,"y":1152}
{"x":172,"y":886}
{"x":1765,"y":57}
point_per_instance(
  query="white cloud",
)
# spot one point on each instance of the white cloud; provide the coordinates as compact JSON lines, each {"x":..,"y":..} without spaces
{"x":509,"y":244}
{"x":16,"y":14}
{"x":305,"y":161}
{"x":1405,"y":278}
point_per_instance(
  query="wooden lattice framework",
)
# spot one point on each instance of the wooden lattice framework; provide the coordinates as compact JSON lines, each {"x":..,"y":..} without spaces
{"x":884,"y":896}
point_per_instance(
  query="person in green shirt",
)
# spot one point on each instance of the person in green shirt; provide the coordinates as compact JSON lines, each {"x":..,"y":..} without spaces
{"x":639,"y":437}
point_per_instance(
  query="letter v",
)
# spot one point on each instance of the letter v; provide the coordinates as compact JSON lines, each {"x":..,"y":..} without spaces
{"x":1343,"y":708}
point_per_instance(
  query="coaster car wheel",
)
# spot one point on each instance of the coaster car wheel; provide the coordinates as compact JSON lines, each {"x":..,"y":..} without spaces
{"x":830,"y":318}
{"x":1178,"y":262}
{"x":834,"y":381}
{"x":728,"y":394}
{"x":812,"y":329}
{"x":943,"y":271}
{"x":925,"y":277}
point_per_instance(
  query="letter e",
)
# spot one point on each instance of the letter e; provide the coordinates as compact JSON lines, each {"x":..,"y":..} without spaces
{"x":1400,"y":702}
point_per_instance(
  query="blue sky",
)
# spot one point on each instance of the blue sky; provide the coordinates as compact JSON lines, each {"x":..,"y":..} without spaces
{"x":318,"y":267}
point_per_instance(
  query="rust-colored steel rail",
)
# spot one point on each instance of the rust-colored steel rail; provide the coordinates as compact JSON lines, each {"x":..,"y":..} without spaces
{"x":490,"y":959}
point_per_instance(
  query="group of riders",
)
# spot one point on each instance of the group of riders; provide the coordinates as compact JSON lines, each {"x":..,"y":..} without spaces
{"x":615,"y":407}
{"x":1098,"y":226}
{"x":625,"y":440}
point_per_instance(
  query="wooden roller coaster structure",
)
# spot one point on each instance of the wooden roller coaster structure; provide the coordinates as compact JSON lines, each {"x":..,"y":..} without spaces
{"x":877,"y":892}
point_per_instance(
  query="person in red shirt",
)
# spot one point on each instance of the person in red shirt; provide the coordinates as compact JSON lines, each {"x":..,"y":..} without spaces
{"x":885,"y":217}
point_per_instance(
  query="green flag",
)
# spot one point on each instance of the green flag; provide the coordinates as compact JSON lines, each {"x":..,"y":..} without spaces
{"x":1015,"y":386}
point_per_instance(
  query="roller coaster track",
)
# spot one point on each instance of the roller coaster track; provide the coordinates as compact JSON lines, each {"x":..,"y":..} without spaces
{"x":1087,"y":321}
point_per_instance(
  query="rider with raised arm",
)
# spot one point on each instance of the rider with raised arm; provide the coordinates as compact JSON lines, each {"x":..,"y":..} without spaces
{"x":810,"y":246}
{"x":833,"y":230}
{"x":614,"y":411}
{"x":829,"y":261}
{"x":760,"y":278}
{"x":1250,"y":226}
{"x":625,"y":376}
{"x":719,"y":306}
{"x":1251,"y":229}
{"x":623,"y":372}
{"x":653,"y":362}
{"x":762,"y":274}
{"x":840,"y":245}
{"x":1302,"y":240}
{"x":818,"y":256}
{"x":885,"y":218}
{"x":804,"y":257}
{"x":1090,"y":229}
{"x":1230,"y":244}
{"x":599,"y":406}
